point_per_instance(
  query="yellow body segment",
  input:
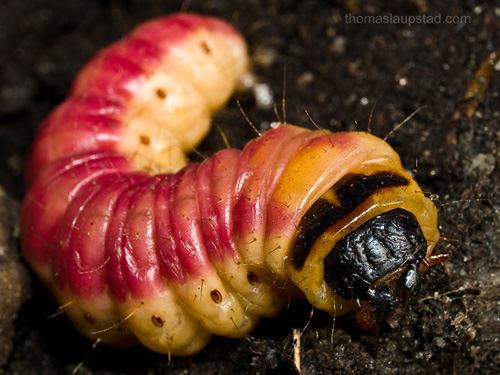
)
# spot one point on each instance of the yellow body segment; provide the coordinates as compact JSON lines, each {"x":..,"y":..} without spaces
{"x":171,"y":110}
{"x":307,"y":177}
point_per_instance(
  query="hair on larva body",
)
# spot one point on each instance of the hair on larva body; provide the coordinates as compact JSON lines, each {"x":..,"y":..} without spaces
{"x":140,"y":247}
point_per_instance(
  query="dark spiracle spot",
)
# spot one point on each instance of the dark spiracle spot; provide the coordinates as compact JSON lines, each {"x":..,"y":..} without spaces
{"x":160,"y":93}
{"x":157,"y":321}
{"x":206,"y":48}
{"x":216,"y":296}
{"x":252,"y":278}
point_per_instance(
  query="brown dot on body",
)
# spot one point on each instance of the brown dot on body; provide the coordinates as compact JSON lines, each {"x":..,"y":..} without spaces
{"x":216,"y":296}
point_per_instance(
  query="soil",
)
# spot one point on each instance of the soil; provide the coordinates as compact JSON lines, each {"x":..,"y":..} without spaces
{"x":338,"y":65}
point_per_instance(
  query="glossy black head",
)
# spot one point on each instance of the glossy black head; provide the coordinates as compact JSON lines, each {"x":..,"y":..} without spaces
{"x":390,"y":241}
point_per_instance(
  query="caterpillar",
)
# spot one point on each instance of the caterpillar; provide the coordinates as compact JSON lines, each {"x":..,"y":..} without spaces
{"x":140,"y":247}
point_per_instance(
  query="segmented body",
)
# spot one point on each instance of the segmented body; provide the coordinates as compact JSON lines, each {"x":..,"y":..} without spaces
{"x":148,"y":251}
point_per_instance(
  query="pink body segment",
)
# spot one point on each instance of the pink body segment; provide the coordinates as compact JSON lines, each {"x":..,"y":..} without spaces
{"x":100,"y":232}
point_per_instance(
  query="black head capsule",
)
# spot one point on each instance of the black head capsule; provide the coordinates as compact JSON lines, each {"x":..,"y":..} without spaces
{"x":388,"y":242}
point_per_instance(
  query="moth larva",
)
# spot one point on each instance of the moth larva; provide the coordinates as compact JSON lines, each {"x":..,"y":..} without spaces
{"x":140,"y":247}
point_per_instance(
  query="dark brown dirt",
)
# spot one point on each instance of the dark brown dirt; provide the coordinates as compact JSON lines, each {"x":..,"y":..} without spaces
{"x":335,"y":70}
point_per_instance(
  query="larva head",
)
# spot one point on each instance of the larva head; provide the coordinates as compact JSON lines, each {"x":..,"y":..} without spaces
{"x":387,"y":247}
{"x":361,"y":226}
